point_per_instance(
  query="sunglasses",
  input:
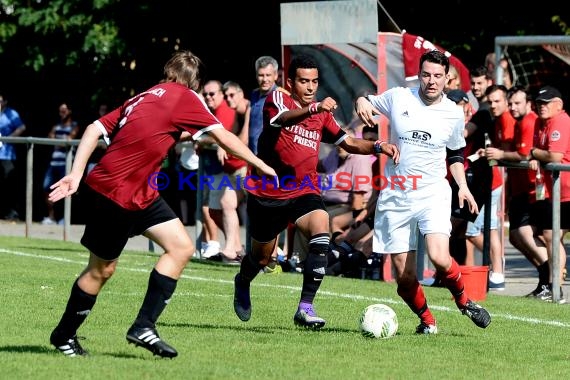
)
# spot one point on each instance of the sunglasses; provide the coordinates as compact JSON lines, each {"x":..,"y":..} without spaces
{"x":211,"y":94}
{"x":230,"y":95}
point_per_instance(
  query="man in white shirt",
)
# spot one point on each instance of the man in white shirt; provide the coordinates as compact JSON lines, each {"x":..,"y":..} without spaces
{"x":427,"y":128}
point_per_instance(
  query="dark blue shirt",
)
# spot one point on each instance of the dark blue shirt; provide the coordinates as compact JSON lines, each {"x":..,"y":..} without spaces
{"x":256,"y":117}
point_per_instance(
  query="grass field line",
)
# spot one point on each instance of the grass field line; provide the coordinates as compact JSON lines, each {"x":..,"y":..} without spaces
{"x":297,"y":288}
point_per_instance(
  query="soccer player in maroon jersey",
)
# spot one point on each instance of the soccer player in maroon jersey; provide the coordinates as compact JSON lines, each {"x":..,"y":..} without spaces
{"x":122,"y":198}
{"x":293,"y":128}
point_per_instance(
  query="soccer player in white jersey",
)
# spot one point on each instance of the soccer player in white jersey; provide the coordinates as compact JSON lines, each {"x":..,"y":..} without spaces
{"x":427,"y":128}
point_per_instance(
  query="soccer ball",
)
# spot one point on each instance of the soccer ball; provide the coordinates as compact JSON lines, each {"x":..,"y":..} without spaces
{"x":378,"y":321}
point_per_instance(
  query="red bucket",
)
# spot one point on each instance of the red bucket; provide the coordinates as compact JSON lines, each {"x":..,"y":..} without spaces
{"x":475,"y":279}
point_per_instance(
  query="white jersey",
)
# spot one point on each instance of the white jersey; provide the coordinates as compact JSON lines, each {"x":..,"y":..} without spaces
{"x":422,"y":133}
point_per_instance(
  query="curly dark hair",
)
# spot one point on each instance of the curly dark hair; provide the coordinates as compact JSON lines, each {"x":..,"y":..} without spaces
{"x":303,"y":61}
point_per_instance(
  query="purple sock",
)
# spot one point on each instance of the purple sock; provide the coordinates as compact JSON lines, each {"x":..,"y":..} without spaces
{"x":305,"y":306}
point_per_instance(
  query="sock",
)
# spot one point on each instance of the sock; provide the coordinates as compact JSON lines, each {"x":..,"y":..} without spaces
{"x":249,"y":268}
{"x":416,"y":300}
{"x":543,"y":273}
{"x":158,"y":295}
{"x":315,"y":266}
{"x":78,"y":308}
{"x":335,"y":235}
{"x":346,"y":246}
{"x":453,"y":281}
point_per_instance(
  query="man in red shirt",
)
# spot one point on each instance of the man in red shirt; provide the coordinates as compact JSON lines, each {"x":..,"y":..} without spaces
{"x":520,"y":183}
{"x":553,"y":145}
{"x":503,"y":124}
{"x":121,"y":193}
{"x":293,"y":128}
{"x":222,"y":199}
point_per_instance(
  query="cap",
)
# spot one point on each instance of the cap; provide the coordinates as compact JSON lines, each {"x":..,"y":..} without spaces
{"x":457,"y":96}
{"x":547,"y":93}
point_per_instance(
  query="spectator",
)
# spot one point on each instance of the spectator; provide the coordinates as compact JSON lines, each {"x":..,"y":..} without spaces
{"x":294,"y":126}
{"x":267,"y":74}
{"x":11,"y":125}
{"x":267,"y":71}
{"x":553,"y":145}
{"x":480,"y":80}
{"x":490,"y":64}
{"x":461,"y":216}
{"x":503,"y":123}
{"x":427,"y":129}
{"x":207,"y":151}
{"x":453,"y":80}
{"x":523,"y":235}
{"x":347,"y":190}
{"x":223,"y":199}
{"x":66,"y":129}
{"x":235,"y":98}
{"x":351,"y":250}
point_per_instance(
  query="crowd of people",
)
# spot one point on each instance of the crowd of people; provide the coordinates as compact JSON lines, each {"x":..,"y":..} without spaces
{"x":264,"y":154}
{"x":509,"y":125}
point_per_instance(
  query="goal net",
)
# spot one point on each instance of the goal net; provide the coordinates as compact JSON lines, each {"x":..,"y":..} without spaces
{"x":536,"y":61}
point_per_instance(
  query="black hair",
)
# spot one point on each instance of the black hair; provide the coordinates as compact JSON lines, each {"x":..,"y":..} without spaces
{"x":513,"y":90}
{"x":480,"y":71}
{"x":303,"y":61}
{"x":435,"y":56}
{"x":496,"y":87}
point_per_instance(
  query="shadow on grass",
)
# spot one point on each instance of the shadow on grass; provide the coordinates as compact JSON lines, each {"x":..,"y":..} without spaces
{"x":259,"y":329}
{"x":30,"y":349}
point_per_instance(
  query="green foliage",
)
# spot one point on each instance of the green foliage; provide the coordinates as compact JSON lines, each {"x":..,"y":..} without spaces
{"x":72,"y":32}
{"x":526,"y":340}
{"x":557,"y":20}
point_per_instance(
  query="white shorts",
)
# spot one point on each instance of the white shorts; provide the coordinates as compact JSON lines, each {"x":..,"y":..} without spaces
{"x":399,"y":214}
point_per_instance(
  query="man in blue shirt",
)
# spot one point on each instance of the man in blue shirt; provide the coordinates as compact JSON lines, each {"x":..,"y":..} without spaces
{"x":267,"y":72}
{"x":10,"y":125}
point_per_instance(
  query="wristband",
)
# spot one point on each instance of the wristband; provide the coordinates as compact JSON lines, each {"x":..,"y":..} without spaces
{"x":314,"y":107}
{"x":378,"y":146}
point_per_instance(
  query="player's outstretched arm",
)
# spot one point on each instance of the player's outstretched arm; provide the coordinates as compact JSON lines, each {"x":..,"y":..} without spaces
{"x":70,"y":183}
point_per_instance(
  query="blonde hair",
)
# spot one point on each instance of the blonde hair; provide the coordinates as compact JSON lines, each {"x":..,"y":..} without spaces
{"x":184,"y":67}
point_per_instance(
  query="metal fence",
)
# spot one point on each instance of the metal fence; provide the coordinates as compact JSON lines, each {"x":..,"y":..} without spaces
{"x":69,"y":144}
{"x":555,"y":168}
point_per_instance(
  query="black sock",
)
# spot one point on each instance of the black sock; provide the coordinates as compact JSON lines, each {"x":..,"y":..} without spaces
{"x":78,"y":308}
{"x":335,"y":235}
{"x":346,"y":246}
{"x":158,"y":294}
{"x":249,"y":269}
{"x":315,"y":266}
{"x":543,"y":273}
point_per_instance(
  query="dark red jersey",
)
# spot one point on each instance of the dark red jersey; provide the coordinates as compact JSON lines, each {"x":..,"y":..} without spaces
{"x":292,"y":151}
{"x":141,"y":132}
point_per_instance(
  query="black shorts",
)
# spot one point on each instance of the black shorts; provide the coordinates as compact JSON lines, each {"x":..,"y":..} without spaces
{"x":268,"y":217}
{"x":108,"y":226}
{"x":541,"y":215}
{"x":519,"y":211}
